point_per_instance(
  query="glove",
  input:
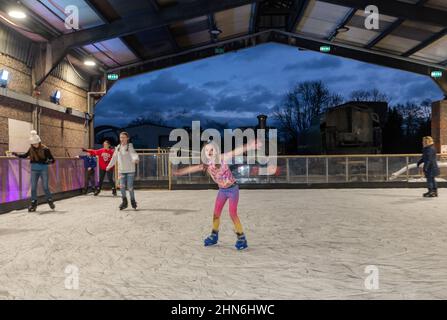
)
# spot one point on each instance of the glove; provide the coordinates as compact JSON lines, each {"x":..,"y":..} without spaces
{"x":84,"y":150}
{"x":15,"y":154}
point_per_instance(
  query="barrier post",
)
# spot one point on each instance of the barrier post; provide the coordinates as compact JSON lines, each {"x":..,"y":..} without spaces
{"x":307,"y":170}
{"x":408,"y":169}
{"x":387,"y":169}
{"x":170,"y":175}
{"x":347,"y":169}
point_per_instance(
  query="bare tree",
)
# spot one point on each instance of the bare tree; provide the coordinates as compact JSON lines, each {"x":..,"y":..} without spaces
{"x":154,"y":118}
{"x":373,"y":95}
{"x":302,"y":104}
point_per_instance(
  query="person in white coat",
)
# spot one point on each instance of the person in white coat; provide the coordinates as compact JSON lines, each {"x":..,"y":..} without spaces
{"x":127,"y":159}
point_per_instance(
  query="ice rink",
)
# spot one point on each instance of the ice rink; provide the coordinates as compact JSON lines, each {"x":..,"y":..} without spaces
{"x":304,"y":244}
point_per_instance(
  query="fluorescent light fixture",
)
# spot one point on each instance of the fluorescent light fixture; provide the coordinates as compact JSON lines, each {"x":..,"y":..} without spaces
{"x":90,"y":63}
{"x":17,"y":14}
{"x":56,"y":97}
{"x":4,"y":78}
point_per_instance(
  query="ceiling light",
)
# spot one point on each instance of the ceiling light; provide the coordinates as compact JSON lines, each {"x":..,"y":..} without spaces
{"x":215,"y":31}
{"x":17,"y":14}
{"x":90,"y":63}
{"x":343,"y":29}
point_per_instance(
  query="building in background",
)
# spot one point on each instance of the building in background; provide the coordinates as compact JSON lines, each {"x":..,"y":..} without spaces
{"x":351,"y":128}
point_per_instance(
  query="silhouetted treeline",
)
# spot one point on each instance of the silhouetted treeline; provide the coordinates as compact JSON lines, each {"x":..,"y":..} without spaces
{"x":302,"y":106}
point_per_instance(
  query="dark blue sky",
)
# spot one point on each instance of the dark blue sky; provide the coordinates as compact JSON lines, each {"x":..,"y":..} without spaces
{"x":235,"y":87}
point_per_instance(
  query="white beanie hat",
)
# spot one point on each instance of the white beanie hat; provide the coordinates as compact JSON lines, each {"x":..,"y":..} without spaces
{"x":34,"y":139}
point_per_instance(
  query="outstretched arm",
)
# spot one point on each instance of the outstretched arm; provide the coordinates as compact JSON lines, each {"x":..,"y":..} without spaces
{"x":187,"y":170}
{"x":91,"y":151}
{"x":22,"y":156}
{"x":252,"y":145}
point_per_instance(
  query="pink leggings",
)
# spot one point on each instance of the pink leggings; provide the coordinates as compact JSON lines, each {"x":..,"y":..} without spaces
{"x":231,"y":194}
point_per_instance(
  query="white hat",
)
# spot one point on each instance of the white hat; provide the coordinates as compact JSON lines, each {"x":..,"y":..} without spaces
{"x":34,"y":139}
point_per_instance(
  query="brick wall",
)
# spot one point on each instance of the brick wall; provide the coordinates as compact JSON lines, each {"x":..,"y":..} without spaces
{"x":20,"y":74}
{"x":64,"y":134}
{"x":439,"y":123}
{"x":71,"y":96}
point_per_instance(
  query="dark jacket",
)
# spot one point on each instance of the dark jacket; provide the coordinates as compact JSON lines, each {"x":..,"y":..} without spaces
{"x":89,"y":162}
{"x":47,"y":159}
{"x":431,"y":168}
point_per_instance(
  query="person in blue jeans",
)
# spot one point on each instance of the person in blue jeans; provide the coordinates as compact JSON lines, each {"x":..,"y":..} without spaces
{"x":40,"y":157}
{"x":90,"y":165}
{"x":127,"y":159}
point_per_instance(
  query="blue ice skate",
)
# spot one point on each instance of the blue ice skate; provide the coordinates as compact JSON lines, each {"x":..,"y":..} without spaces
{"x":241,"y":243}
{"x":212,"y":239}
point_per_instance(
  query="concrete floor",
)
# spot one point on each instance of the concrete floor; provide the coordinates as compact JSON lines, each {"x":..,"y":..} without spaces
{"x":304,"y":244}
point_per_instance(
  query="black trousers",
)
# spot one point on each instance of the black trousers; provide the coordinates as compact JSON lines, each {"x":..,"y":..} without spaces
{"x":102,"y":175}
{"x":89,"y":179}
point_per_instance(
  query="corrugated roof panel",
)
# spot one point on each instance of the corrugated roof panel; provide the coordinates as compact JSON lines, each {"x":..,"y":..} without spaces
{"x":113,"y":52}
{"x":438,"y":4}
{"x":154,"y":41}
{"x":193,"y":39}
{"x":407,"y":36}
{"x":436,"y":52}
{"x":66,"y":72}
{"x":358,"y":33}
{"x":16,"y":46}
{"x":416,"y":30}
{"x":233,"y":22}
{"x":186,"y":38}
{"x":53,"y":11}
{"x":396,"y":45}
{"x":127,"y":8}
{"x":107,"y":60}
{"x":321,"y":18}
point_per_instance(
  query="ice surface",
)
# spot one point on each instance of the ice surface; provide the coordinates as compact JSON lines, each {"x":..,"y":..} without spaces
{"x":304,"y":244}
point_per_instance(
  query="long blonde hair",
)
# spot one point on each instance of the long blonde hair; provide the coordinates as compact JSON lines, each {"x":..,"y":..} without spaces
{"x":217,"y":153}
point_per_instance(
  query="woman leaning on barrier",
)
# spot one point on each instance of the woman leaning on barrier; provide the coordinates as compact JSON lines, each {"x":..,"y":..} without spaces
{"x":431,"y":169}
{"x":40,"y":157}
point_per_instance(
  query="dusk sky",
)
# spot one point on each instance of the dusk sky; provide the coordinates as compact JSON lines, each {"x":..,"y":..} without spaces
{"x":235,"y":87}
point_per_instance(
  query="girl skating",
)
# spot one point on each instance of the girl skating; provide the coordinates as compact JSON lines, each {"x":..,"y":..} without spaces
{"x":216,"y":165}
{"x":105,"y":156}
{"x":40,"y":157}
{"x":431,"y":169}
{"x":127,"y":158}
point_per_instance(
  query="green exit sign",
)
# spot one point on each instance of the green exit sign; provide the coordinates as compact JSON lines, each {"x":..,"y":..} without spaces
{"x":436,"y":74}
{"x":113,"y":76}
{"x":219,"y":50}
{"x":325,"y":48}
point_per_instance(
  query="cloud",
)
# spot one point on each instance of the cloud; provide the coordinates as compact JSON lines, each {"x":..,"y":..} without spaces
{"x":215,"y":84}
{"x":318,"y":63}
{"x":164,"y":83}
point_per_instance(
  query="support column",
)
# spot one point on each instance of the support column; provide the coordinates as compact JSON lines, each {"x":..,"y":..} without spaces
{"x":439,"y":125}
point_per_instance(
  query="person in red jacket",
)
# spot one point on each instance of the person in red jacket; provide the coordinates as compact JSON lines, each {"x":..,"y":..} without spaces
{"x":105,"y":155}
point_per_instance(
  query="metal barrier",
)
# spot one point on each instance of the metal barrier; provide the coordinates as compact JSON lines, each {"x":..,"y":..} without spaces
{"x":66,"y":174}
{"x":326,"y":169}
